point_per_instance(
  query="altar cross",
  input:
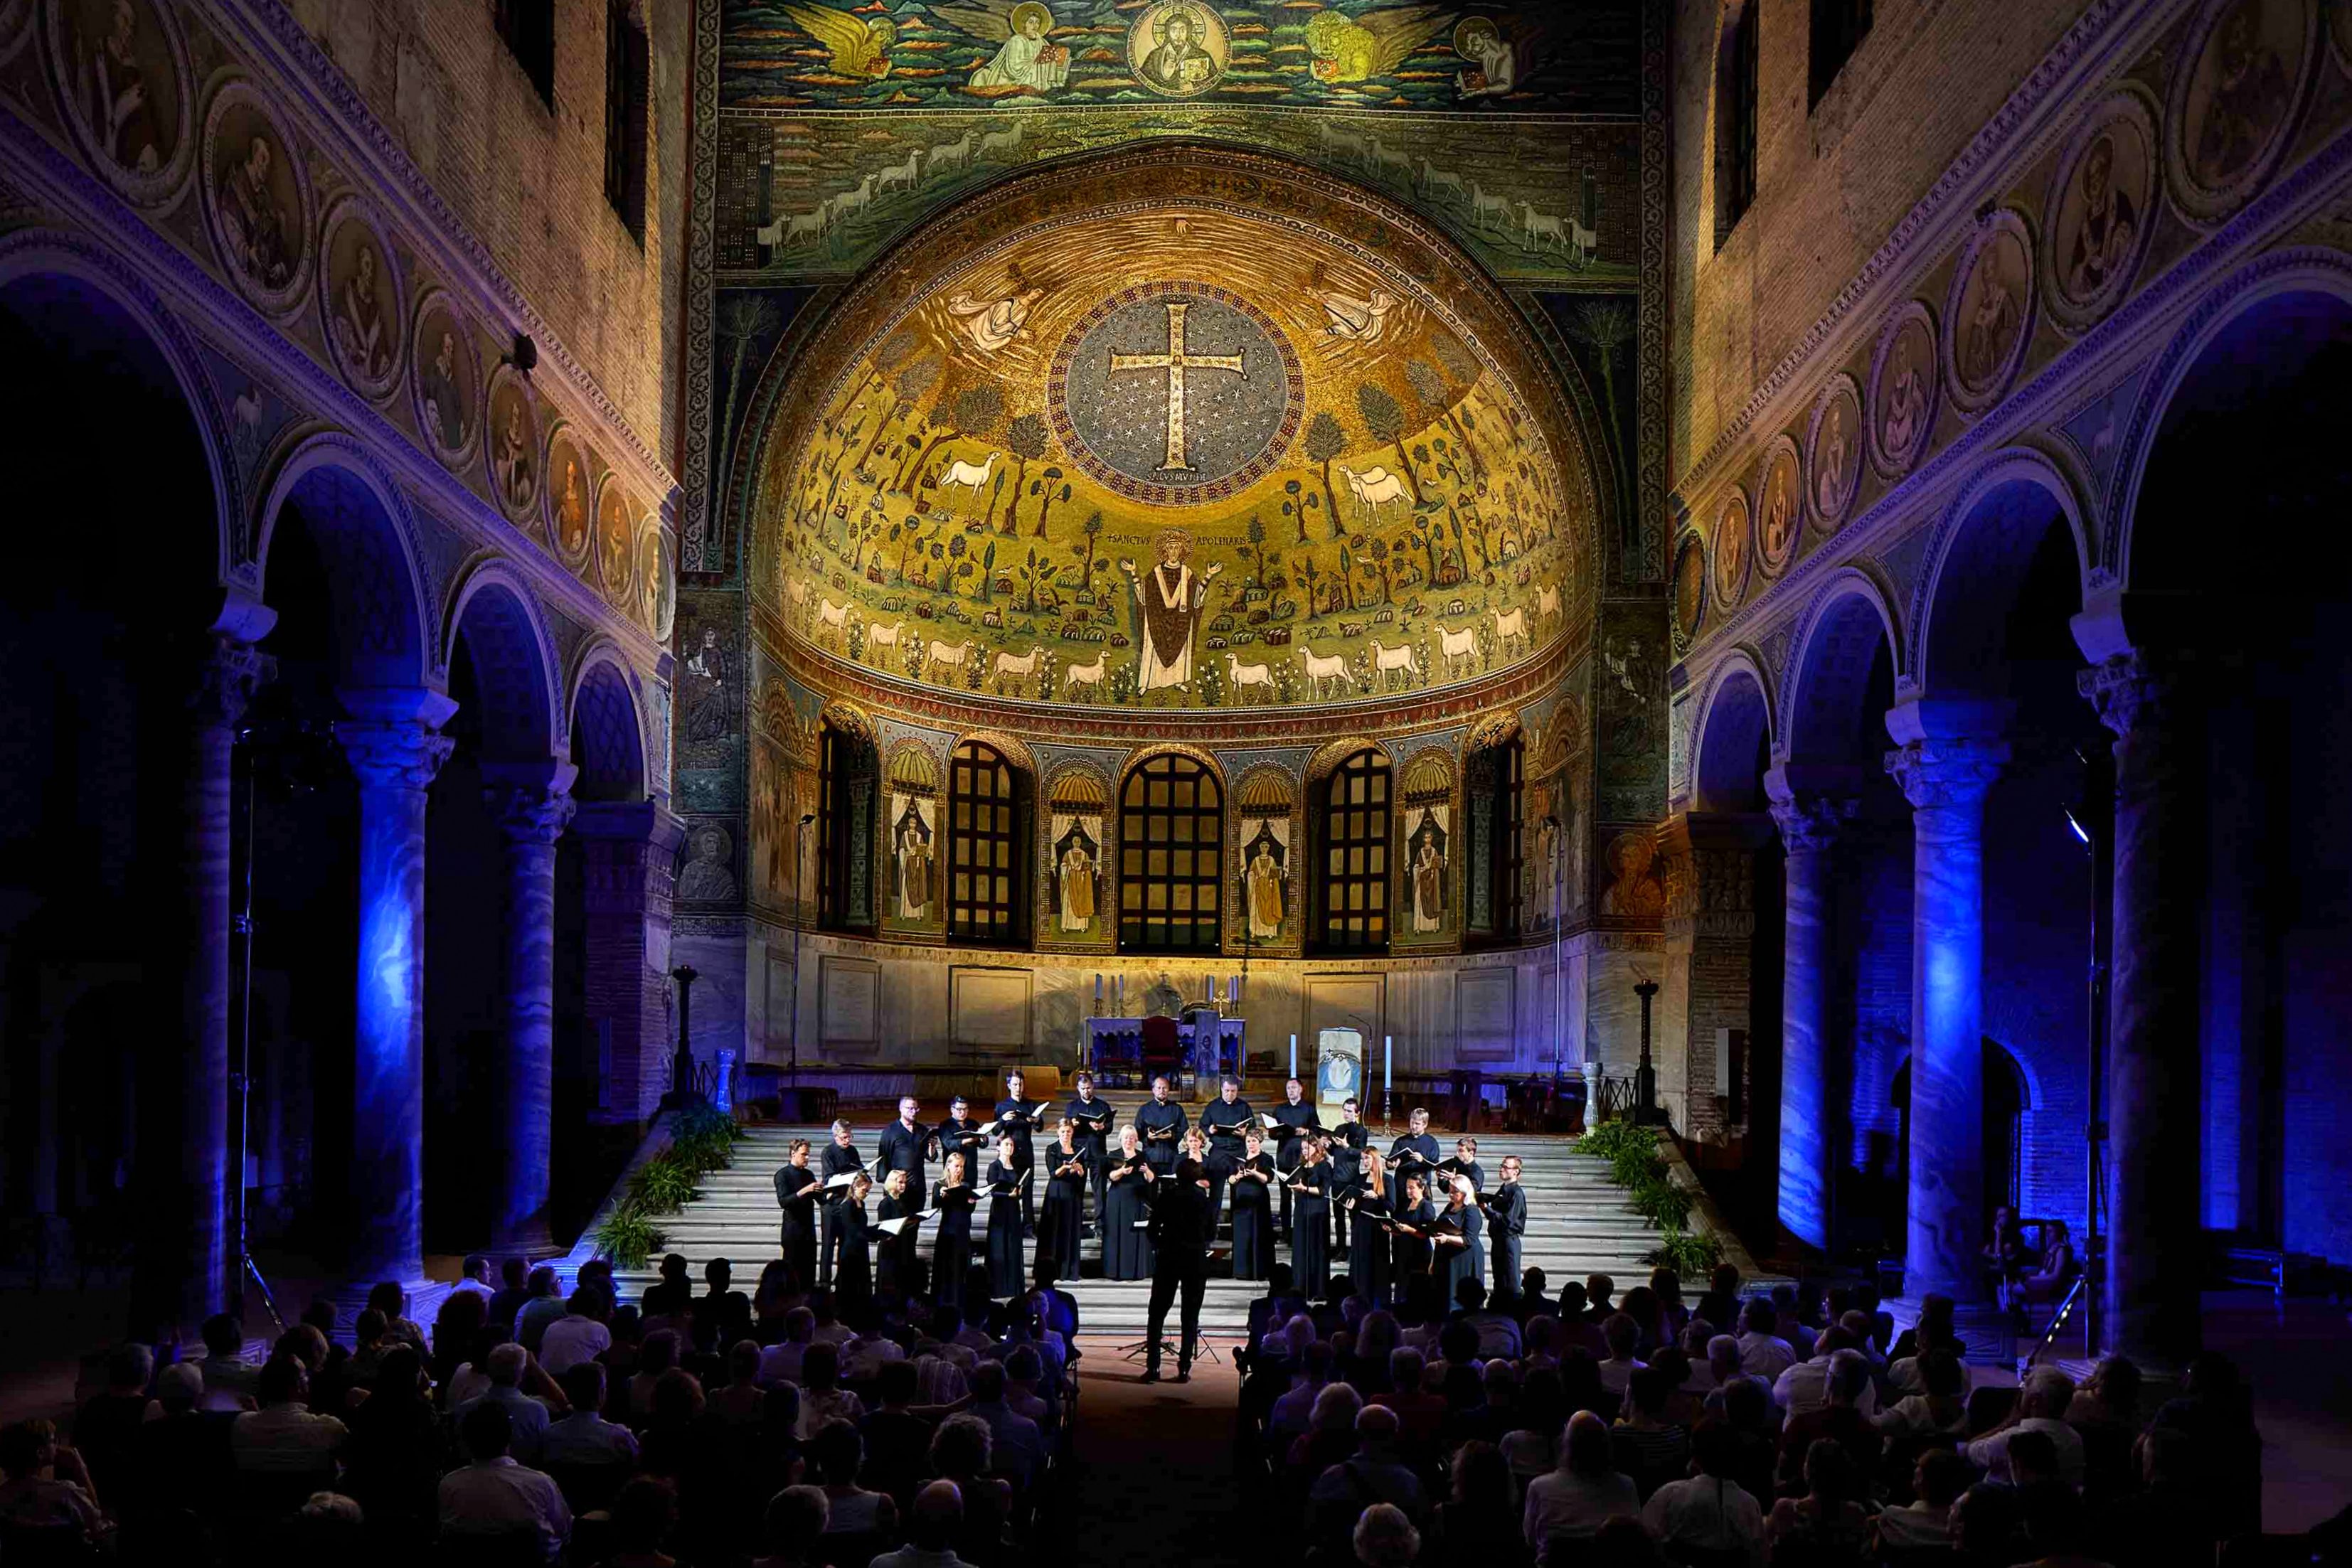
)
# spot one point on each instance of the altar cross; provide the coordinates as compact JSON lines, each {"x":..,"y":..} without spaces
{"x":1175,"y":361}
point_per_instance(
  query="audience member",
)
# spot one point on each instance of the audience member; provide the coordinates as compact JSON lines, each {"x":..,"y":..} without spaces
{"x":1584,"y":1490}
{"x":493,"y":1495}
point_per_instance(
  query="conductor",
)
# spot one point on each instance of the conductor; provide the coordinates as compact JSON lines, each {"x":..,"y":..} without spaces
{"x":1179,"y":1231}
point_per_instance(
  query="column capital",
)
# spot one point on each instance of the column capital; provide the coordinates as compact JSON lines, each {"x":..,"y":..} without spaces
{"x":394,"y":753}
{"x":531,"y":801}
{"x":2134,"y":691}
{"x":227,"y":673}
{"x":1812,"y":823}
{"x":528,"y":814}
{"x":1811,"y":806}
{"x":1947,"y":773}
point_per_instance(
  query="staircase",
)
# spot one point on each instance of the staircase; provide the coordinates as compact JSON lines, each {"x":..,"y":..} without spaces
{"x":1578,"y":1223}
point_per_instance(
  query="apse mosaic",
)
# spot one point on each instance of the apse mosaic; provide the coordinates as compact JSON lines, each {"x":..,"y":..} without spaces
{"x":1072,"y":471}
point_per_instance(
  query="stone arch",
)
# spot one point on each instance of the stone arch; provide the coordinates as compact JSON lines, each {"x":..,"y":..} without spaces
{"x":608,"y":743}
{"x":1735,"y":727}
{"x":1983,"y":548}
{"x":494,"y":617}
{"x":44,"y":273}
{"x":1331,"y":753}
{"x":359,"y":523}
{"x":2295,"y":289}
{"x":1837,"y":641}
{"x":1009,"y":747}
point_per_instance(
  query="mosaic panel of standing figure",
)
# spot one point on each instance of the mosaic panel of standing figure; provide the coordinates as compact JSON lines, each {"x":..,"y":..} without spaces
{"x":1075,"y":471}
{"x":1426,"y":837}
{"x":911,"y":846}
{"x":1262,"y":879}
{"x":1075,"y":858}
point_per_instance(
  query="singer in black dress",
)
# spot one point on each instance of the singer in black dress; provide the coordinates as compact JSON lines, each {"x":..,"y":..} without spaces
{"x":1368,"y":1240}
{"x":1468,"y":1259}
{"x":1411,"y":1256}
{"x":852,"y":1267}
{"x":1310,"y":1220}
{"x":1062,"y":1221}
{"x":1251,"y":1186}
{"x":1127,"y":1207}
{"x":951,"y":1240}
{"x":1006,"y":1276}
{"x":797,"y":1194}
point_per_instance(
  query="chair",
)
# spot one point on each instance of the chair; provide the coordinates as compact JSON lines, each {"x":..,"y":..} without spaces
{"x":1986,"y":1407}
{"x":42,"y":1545}
{"x":1162,"y":1052}
{"x":522,"y":1548}
{"x":587,"y":1487}
{"x":849,"y":1549}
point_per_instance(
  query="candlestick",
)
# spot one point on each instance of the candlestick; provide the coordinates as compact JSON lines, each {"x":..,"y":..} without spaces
{"x":1294,"y":1056}
{"x":1388,"y":1060}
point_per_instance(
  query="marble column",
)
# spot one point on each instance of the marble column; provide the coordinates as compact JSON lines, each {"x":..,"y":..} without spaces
{"x":395,"y":746}
{"x":2153,"y":1048}
{"x":1946,"y":780}
{"x":532,"y":811}
{"x":180,"y":1271}
{"x":1810,"y":827}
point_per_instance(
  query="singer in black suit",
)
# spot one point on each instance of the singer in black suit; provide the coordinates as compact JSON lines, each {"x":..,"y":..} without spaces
{"x":901,"y":1147}
{"x":1181,"y":1225}
{"x":1506,"y":1212}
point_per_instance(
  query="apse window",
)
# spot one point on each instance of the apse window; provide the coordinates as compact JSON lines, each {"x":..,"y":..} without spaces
{"x":1172,"y":834}
{"x":527,"y":28}
{"x":1839,"y":27}
{"x":1497,"y":862}
{"x":1352,"y":916}
{"x":628,"y":90}
{"x":983,"y":834}
{"x":845,"y":822}
{"x":1735,"y":119}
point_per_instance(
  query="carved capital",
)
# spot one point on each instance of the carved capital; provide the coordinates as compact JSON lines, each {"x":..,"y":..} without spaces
{"x":227,"y":673}
{"x":394,"y":753}
{"x":1952,"y":774}
{"x":1810,"y":823}
{"x":530,"y":815}
{"x":2132,"y":693}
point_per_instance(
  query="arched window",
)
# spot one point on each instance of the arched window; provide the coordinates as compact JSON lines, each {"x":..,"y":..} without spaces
{"x":1352,"y":873}
{"x":1498,"y":873}
{"x":1172,"y":834}
{"x":848,"y":772}
{"x":984,"y":833}
{"x":1735,"y":90}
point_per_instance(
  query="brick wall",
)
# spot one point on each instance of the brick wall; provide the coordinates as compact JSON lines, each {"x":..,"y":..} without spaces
{"x":529,"y":180}
{"x":1831,"y":184}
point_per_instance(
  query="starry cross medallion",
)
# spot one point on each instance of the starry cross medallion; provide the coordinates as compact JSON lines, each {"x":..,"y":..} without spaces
{"x":1175,"y":361}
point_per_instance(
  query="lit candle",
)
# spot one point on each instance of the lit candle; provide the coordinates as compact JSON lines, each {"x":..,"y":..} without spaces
{"x":1098,"y":992}
{"x":1294,"y":1056}
{"x":1388,"y":1060}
